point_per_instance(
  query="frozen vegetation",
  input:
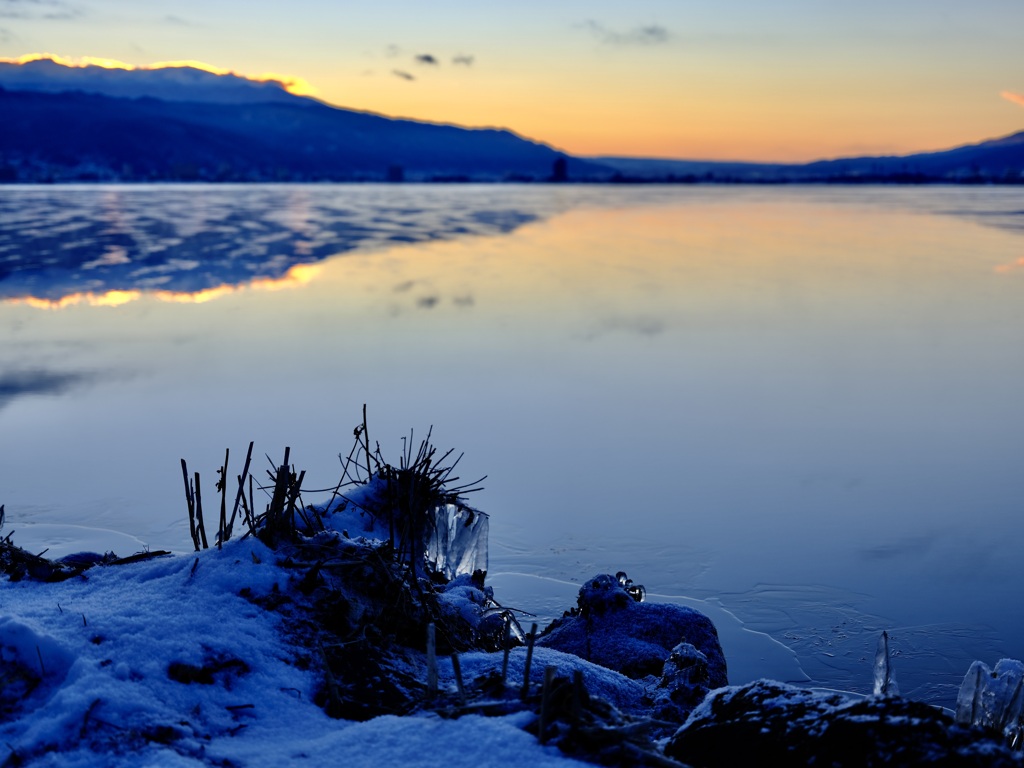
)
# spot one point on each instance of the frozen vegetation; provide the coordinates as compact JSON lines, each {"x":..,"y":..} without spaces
{"x":362,"y":632}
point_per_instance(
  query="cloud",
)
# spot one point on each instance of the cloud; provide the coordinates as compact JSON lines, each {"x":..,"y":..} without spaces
{"x":6,"y":36}
{"x":393,"y":51}
{"x":403,"y":75}
{"x":37,"y":9}
{"x":427,"y":302}
{"x":1016,"y":98}
{"x":428,"y":59}
{"x":177,"y":21}
{"x":651,"y":34}
{"x":37,"y":382}
{"x":463,"y":60}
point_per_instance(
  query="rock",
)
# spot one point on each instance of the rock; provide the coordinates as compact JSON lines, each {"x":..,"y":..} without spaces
{"x":683,"y":684}
{"x":770,"y":723}
{"x":614,"y":630}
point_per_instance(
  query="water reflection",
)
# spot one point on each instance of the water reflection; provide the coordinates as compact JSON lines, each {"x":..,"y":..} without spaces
{"x":803,"y":402}
{"x":107,"y":245}
{"x":15,"y":384}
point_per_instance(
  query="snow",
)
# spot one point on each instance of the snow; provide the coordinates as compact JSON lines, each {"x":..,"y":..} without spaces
{"x":102,"y":648}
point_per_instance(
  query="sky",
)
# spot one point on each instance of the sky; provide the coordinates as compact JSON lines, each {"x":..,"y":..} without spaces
{"x":787,"y":80}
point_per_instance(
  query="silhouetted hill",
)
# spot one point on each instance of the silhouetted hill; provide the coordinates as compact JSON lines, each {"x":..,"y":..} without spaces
{"x":64,"y":123}
{"x":994,"y":161}
{"x":170,"y":83}
{"x":75,"y":135}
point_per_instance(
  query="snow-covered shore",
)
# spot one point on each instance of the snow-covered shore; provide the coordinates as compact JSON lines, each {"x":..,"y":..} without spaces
{"x":103,"y":646}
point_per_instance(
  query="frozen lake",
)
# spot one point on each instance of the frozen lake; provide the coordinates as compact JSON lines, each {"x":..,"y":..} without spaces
{"x":801,"y":403}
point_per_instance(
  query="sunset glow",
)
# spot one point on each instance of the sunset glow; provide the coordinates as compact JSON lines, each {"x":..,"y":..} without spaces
{"x":738,"y":81}
{"x":300,"y":274}
{"x":295,"y":85}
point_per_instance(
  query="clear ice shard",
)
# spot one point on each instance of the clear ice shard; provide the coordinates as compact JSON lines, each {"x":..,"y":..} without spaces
{"x":994,"y":699}
{"x":455,"y":540}
{"x":885,"y":680}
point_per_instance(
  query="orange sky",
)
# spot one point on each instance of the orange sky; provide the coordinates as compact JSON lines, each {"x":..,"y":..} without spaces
{"x":789,"y":81}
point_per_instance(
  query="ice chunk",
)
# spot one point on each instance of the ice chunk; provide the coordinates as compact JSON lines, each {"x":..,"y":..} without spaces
{"x":994,"y":698}
{"x":455,"y":540}
{"x":885,"y":679}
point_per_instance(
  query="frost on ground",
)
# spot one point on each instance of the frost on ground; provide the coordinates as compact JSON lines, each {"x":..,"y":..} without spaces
{"x":173,"y":661}
{"x":303,"y":641}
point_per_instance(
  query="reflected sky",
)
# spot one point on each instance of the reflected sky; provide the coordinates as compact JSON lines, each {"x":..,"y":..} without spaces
{"x":804,"y":402}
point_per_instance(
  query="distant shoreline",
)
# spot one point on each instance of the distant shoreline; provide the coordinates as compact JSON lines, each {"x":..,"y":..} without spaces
{"x":838,"y":181}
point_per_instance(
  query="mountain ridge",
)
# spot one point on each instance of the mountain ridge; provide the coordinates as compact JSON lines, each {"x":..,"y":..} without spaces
{"x":185,"y":123}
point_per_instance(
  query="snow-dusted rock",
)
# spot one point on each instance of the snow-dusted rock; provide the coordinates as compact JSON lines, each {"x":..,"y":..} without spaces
{"x":770,"y":723}
{"x":612,"y":629}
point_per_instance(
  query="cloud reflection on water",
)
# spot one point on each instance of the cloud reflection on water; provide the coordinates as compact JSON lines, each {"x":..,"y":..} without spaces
{"x":14,"y":384}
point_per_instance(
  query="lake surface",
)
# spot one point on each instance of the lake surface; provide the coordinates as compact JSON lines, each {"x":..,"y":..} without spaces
{"x":801,"y":404}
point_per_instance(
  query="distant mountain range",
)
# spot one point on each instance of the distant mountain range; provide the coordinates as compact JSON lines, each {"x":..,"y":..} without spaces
{"x":89,"y":123}
{"x":62,"y":123}
{"x":994,"y":161}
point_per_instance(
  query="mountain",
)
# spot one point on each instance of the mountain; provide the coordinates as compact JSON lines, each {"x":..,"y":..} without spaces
{"x":994,"y":161}
{"x":180,"y":123}
{"x":179,"y":83}
{"x":63,"y":123}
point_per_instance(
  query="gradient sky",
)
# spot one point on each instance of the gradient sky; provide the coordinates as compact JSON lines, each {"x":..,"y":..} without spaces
{"x":787,"y":80}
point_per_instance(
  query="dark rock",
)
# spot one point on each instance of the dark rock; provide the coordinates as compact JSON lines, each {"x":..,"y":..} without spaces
{"x":216,"y":668}
{"x":770,"y":723}
{"x":683,"y":685}
{"x":614,"y":630}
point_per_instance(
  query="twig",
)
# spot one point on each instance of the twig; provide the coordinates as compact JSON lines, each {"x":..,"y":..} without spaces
{"x":457,"y":668}
{"x":545,"y":703}
{"x":199,"y":514}
{"x":223,"y":525}
{"x":366,"y":439}
{"x":529,"y":658}
{"x":240,"y":494}
{"x":506,"y":641}
{"x":191,"y":506}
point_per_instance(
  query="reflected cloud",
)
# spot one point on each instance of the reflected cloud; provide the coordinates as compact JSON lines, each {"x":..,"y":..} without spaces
{"x":14,"y":384}
{"x":427,"y":302}
{"x":1013,"y":266}
{"x":637,"y":325}
{"x":107,"y":246}
{"x":300,"y":274}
